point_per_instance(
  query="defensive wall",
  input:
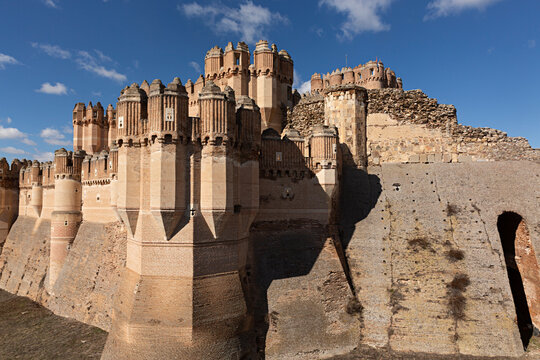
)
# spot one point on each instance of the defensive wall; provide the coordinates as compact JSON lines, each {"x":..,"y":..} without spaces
{"x":372,"y":218}
{"x":410,"y":127}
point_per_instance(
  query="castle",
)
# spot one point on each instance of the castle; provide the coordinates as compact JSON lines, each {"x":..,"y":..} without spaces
{"x":231,"y":218}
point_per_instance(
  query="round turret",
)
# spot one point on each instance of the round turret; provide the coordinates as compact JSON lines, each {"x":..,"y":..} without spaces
{"x":316,"y":83}
{"x":336,"y":78}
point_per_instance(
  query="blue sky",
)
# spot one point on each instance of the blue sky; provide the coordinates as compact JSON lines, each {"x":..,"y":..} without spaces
{"x":481,"y":55}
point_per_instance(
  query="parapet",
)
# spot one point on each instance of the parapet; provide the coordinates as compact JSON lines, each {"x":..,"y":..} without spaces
{"x":371,"y":75}
{"x":97,"y":169}
{"x":68,"y":164}
{"x":9,"y":176}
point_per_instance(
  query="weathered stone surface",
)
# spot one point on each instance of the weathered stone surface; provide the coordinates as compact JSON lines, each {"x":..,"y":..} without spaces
{"x":301,"y":294}
{"x":86,"y":287}
{"x":400,"y":263}
{"x":24,"y":261}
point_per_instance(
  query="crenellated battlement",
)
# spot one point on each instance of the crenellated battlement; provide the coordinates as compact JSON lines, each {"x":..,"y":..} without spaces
{"x":268,"y":80}
{"x":296,"y":156}
{"x":9,"y":175}
{"x":227,"y":226}
{"x":372,"y":75}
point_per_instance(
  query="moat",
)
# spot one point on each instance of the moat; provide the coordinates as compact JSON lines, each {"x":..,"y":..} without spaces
{"x":30,"y":331}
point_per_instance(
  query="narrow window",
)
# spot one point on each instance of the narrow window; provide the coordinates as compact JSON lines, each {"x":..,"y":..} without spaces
{"x":169,"y":114}
{"x":120,"y":122}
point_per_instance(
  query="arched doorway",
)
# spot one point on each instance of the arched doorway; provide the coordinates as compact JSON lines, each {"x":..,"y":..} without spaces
{"x":523,"y":272}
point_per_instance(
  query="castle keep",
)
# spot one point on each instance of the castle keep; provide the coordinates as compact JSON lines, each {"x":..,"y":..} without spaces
{"x":231,"y":218}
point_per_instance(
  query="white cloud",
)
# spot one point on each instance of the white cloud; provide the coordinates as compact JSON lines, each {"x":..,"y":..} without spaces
{"x":67,"y":129}
{"x":195,"y":66}
{"x":11,"y":133}
{"x":57,"y":89}
{"x":531,"y":44}
{"x":97,"y":93}
{"x":27,"y":141}
{"x":442,"y":8}
{"x":7,"y":60}
{"x":43,"y":156}
{"x":89,"y":63}
{"x":54,"y":137}
{"x":14,"y":134}
{"x":360,"y":15}
{"x":51,"y":3}
{"x":8,"y":120}
{"x":305,"y":87}
{"x":12,"y":150}
{"x":300,"y":85}
{"x":249,"y":21}
{"x":53,"y":50}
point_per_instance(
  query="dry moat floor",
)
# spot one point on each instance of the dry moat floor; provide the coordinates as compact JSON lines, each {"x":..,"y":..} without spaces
{"x":29,"y":331}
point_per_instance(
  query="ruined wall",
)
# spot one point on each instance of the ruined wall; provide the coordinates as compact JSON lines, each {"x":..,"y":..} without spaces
{"x":407,"y":126}
{"x":307,"y":113}
{"x":89,"y":280}
{"x":425,"y":256}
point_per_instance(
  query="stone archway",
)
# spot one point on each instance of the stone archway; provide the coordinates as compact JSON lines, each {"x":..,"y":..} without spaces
{"x":523,"y":272}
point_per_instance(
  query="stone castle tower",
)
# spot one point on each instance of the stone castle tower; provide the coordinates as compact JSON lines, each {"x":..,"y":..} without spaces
{"x":198,"y":222}
{"x":268,"y":80}
{"x":371,"y":75}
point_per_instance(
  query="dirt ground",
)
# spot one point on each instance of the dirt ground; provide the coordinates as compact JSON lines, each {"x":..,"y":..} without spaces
{"x":29,"y":331}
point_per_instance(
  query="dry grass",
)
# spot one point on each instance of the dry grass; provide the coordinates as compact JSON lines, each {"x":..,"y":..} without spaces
{"x":452,"y":210}
{"x":354,"y":307}
{"x":419,"y":242}
{"x":455,"y":255}
{"x":456,"y":301}
{"x":460,"y":282}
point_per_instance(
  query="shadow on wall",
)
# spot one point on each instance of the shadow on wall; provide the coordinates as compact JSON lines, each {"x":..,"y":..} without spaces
{"x":359,"y":194}
{"x":291,"y":267}
{"x":513,"y":234}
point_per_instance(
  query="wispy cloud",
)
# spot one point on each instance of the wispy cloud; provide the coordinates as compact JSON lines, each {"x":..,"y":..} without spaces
{"x":97,"y":93}
{"x":55,"y":137}
{"x":12,"y":150}
{"x":51,"y":3}
{"x":442,"y":8}
{"x":11,"y":133}
{"x":248,"y":20}
{"x":195,"y":66}
{"x":531,"y":44}
{"x":57,"y":89}
{"x":43,"y":156}
{"x":91,"y":61}
{"x":300,"y":85}
{"x":53,"y":50}
{"x":92,"y":64}
{"x":7,"y":60}
{"x":360,"y":15}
